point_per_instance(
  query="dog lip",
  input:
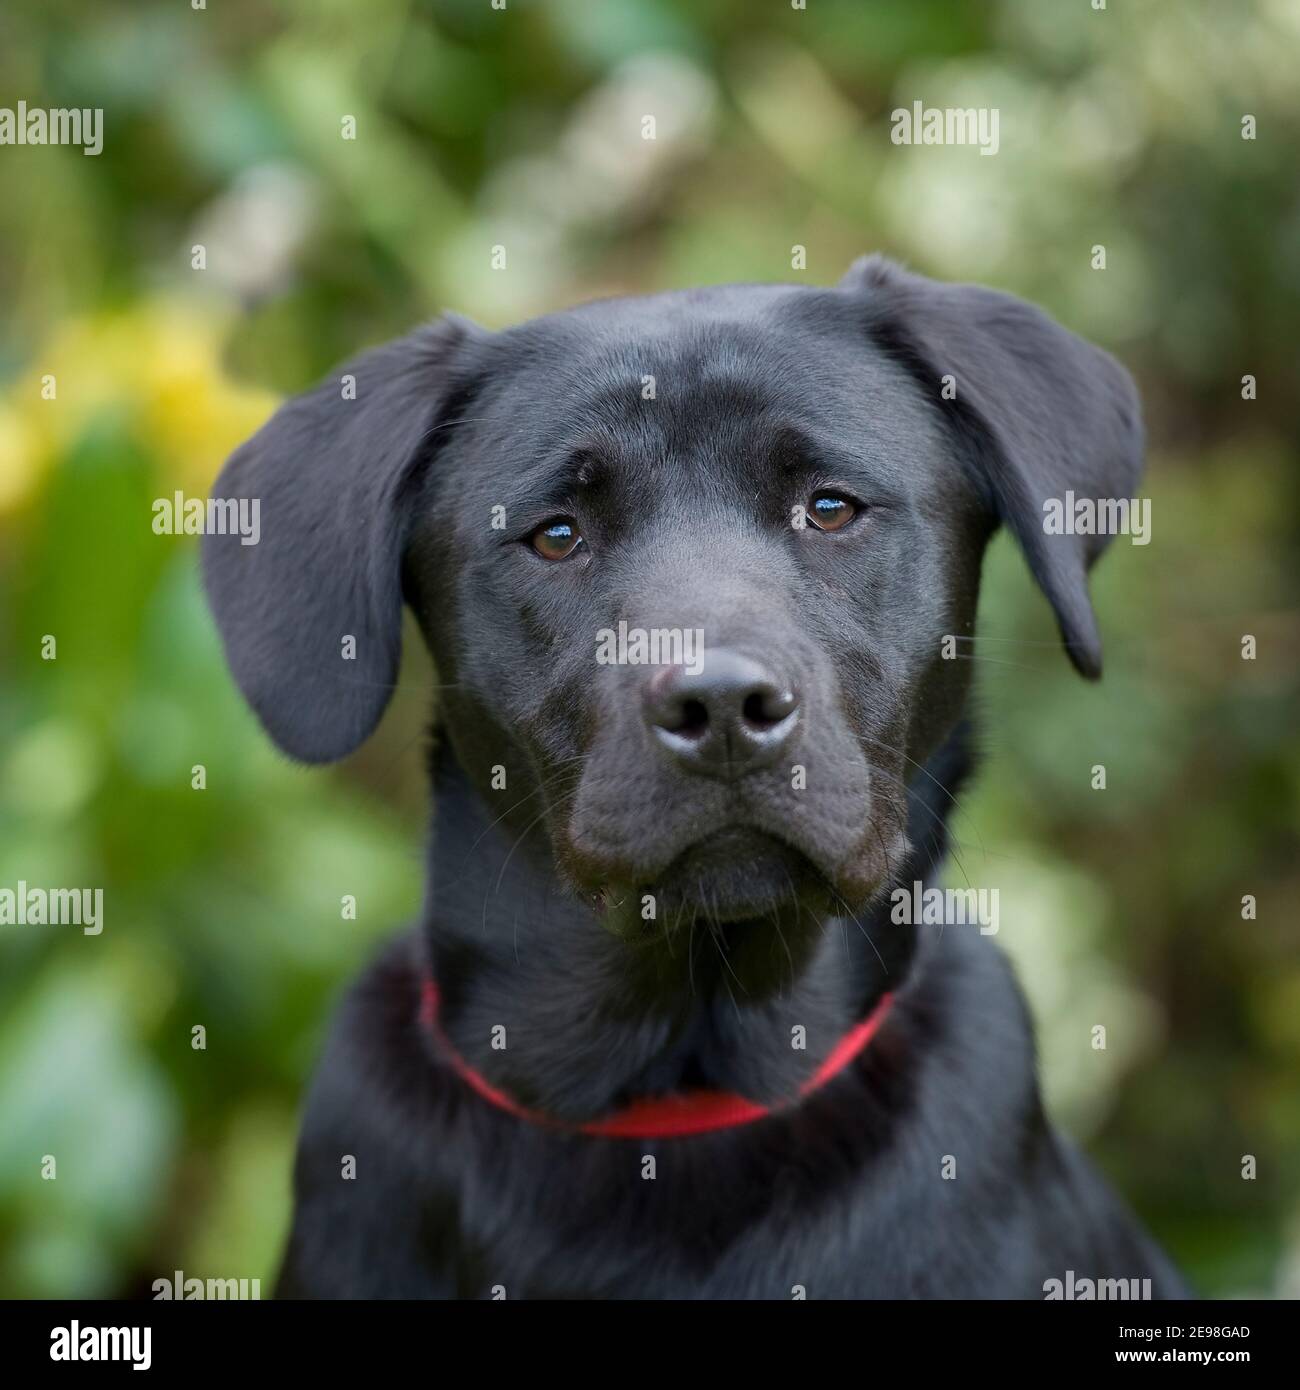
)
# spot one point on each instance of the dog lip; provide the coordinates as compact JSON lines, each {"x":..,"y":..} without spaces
{"x":730,"y":840}
{"x":732,"y":847}
{"x":735,"y":874}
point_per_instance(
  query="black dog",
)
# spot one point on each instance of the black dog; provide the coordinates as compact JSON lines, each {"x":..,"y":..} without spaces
{"x":660,"y":893}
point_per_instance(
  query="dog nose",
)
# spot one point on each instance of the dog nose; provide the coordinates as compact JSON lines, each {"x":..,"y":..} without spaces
{"x":727,"y":719}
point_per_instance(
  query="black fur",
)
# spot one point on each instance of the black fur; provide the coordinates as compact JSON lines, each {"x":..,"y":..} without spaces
{"x":772,"y":901}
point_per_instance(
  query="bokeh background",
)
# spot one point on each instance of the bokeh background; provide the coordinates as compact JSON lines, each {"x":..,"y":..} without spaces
{"x":478,"y":127}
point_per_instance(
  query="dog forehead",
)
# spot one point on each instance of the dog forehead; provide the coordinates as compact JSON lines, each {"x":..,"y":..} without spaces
{"x":660,"y":368}
{"x":670,"y":351}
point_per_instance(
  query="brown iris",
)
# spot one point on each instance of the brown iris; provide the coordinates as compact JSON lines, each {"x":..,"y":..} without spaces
{"x":828,"y":511}
{"x":556,"y":539}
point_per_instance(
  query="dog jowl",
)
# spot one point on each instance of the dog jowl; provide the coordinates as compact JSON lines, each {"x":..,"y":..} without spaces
{"x":688,"y":566}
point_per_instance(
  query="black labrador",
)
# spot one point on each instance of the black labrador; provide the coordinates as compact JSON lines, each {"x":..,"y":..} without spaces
{"x":698,"y":572}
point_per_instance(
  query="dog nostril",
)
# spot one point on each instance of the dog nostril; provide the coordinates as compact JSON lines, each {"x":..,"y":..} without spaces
{"x":754,"y":711}
{"x":694,"y":719}
{"x":766,"y":707}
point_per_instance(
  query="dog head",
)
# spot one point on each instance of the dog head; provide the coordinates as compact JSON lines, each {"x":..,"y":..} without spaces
{"x":686,"y":565}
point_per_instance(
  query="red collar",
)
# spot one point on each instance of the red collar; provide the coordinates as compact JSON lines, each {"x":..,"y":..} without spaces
{"x":658,"y":1117}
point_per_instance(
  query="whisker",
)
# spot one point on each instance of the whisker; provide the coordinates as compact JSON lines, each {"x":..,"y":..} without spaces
{"x":861,"y":928}
{"x":506,"y":864}
{"x":993,"y":661}
{"x":925,"y":772}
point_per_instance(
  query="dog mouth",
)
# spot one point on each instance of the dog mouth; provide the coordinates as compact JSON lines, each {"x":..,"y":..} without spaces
{"x":730,"y":878}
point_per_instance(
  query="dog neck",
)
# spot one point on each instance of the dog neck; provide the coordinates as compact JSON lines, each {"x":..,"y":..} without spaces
{"x":555,"y":1011}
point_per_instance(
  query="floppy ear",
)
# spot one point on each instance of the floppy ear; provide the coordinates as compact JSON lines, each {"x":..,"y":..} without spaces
{"x":330,"y":473}
{"x":1041,"y":411}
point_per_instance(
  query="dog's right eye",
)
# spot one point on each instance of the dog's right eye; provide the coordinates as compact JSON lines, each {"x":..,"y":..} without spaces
{"x":831,"y":511}
{"x":556,"y":539}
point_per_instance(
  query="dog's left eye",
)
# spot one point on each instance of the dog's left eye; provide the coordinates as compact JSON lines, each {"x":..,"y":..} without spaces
{"x":829,"y":511}
{"x":557,"y":539}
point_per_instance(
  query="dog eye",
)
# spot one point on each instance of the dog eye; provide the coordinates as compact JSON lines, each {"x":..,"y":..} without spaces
{"x":828,"y":511}
{"x":557,"y":539}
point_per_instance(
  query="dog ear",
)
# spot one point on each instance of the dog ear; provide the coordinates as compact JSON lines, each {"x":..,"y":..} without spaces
{"x":1041,"y":411}
{"x":311,"y":613}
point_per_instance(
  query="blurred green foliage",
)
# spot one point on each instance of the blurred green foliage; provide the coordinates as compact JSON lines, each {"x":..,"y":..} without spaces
{"x":477,"y":127}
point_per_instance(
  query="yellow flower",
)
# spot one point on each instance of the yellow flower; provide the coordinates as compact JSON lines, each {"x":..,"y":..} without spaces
{"x":193,"y":413}
{"x":159,"y":364}
{"x":20,"y":458}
